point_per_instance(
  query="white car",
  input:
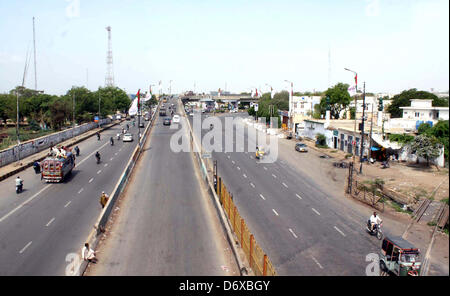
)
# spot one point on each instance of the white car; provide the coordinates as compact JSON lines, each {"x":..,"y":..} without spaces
{"x":128,"y":138}
{"x":176,"y":119}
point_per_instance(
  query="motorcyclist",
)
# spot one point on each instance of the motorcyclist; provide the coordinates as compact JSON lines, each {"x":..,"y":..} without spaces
{"x":77,"y":150}
{"x":36,"y":166}
{"x":19,"y":183}
{"x":97,"y":155}
{"x":98,"y":136}
{"x":374,"y":219}
{"x":118,"y":136}
{"x":211,"y":126}
{"x":111,"y":140}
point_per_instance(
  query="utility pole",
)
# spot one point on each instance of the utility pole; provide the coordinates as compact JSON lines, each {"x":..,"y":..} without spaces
{"x":99,"y":110}
{"x":371,"y":129}
{"x":34,"y":45}
{"x":362,"y":128}
{"x":73,"y":114}
{"x":109,"y":80}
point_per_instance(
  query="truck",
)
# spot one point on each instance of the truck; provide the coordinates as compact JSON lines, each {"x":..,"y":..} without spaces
{"x":57,"y":166}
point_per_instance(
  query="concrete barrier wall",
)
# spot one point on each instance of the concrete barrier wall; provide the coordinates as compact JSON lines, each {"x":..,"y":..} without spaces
{"x":30,"y":147}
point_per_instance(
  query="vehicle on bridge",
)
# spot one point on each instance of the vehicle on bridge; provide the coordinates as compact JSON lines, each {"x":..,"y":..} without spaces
{"x":399,"y":257}
{"x":167,"y":121}
{"x":162,"y":112}
{"x":127,"y":138}
{"x":56,"y":167}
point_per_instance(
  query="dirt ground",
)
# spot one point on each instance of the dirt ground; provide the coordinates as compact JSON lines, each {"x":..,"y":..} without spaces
{"x":415,"y":181}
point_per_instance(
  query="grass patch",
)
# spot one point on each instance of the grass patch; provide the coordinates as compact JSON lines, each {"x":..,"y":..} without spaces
{"x":322,"y":146}
{"x":333,"y":151}
{"x":25,"y":134}
{"x":445,"y":200}
{"x":431,"y":223}
{"x":399,"y":208}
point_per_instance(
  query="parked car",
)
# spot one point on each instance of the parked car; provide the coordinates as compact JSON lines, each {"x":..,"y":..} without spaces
{"x":127,"y":137}
{"x":301,"y":147}
{"x":166,"y":121}
{"x":176,"y":118}
{"x":141,"y":124}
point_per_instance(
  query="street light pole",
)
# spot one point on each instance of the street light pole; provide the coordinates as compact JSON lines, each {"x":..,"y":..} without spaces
{"x":354,"y":128}
{"x":99,"y":110}
{"x":290,"y":103}
{"x":362,"y":128}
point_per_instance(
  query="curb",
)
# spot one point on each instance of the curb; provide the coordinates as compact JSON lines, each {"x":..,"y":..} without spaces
{"x":211,"y":191}
{"x":29,"y":164}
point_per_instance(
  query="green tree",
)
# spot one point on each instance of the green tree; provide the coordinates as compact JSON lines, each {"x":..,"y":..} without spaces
{"x":339,"y":100}
{"x":404,"y":100}
{"x":423,"y":128}
{"x":426,"y":146}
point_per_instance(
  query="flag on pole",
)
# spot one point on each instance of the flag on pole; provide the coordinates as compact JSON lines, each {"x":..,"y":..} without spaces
{"x":139,"y":100}
{"x":133,"y":109}
{"x":356,"y":79}
{"x":352,"y":90}
{"x":256,"y":93}
{"x":272,"y":93}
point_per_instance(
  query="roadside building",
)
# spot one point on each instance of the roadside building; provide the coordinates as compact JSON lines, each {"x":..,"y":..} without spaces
{"x":423,"y":110}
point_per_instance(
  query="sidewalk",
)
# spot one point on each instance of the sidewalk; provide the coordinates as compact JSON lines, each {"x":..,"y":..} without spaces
{"x":15,"y":167}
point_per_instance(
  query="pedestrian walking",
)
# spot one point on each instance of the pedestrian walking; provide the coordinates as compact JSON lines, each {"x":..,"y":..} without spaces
{"x":104,"y":199}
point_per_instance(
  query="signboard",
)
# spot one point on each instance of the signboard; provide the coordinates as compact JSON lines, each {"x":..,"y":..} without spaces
{"x":96,"y":119}
{"x":256,"y":107}
{"x":335,"y":133}
{"x":206,"y":155}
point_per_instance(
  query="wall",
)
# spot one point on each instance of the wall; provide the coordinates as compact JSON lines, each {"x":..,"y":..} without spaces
{"x":28,"y":148}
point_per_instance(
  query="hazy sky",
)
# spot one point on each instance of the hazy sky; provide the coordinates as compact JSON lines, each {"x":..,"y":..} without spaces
{"x":392,"y":44}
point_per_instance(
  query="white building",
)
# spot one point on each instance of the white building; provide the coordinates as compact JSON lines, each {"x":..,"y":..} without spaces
{"x":424,"y":111}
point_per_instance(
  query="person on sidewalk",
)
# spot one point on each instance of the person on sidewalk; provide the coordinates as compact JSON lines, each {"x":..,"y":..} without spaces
{"x":104,"y":199}
{"x":88,"y":254}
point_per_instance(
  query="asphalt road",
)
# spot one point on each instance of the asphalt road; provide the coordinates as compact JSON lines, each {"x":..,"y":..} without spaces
{"x":303,"y":230}
{"x":47,"y":221}
{"x":166,"y":224}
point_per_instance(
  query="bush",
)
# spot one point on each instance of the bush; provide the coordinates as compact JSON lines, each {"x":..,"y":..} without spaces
{"x":402,"y":139}
{"x":321,"y":141}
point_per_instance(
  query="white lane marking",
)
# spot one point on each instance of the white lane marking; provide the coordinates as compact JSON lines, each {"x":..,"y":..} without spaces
{"x":317,"y":262}
{"x":251,"y":184}
{"x":299,"y":197}
{"x":292,"y":232}
{"x":106,"y":164}
{"x":120,"y":149}
{"x":265,"y":168}
{"x":115,"y":153}
{"x":67,"y":204}
{"x":21,"y":251}
{"x":284,"y":184}
{"x":228,"y":156}
{"x":111,"y":158}
{"x":315,"y":211}
{"x":81,"y":190}
{"x":24,"y":203}
{"x":262,"y":196}
{"x":274,"y":176}
{"x":245,"y":176}
{"x":251,"y":157}
{"x":50,"y":222}
{"x":238,"y":168}
{"x":99,"y":172}
{"x":338,"y":230}
{"x":233,"y":161}
{"x":91,"y":180}
{"x":275,"y":212}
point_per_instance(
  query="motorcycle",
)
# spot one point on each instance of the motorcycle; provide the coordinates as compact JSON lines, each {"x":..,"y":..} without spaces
{"x":98,"y":158}
{"x":118,"y":136}
{"x":376,"y":230}
{"x":19,"y":188}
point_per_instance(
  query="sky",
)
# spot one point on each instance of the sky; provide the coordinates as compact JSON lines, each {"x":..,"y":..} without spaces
{"x":204,"y":45}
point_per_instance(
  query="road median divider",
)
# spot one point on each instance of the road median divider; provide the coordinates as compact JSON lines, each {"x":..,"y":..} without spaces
{"x":257,"y":261}
{"x":99,"y":227}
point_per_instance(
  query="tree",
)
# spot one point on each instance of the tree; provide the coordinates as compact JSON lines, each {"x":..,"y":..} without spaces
{"x":423,"y":128}
{"x":281,"y":100}
{"x":426,"y":146}
{"x":404,"y":100}
{"x":339,"y":100}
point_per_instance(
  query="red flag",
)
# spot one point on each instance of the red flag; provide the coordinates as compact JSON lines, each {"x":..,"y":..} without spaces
{"x":356,"y":79}
{"x":139,"y":97}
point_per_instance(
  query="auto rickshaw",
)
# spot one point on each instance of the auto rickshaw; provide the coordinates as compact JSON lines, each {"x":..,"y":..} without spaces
{"x":399,"y":257}
{"x":259,"y":153}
